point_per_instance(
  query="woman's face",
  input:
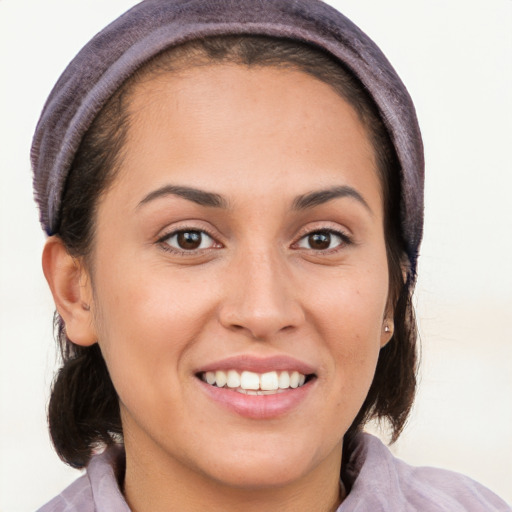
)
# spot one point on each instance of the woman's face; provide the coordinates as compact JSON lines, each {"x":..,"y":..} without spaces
{"x":244,"y":233}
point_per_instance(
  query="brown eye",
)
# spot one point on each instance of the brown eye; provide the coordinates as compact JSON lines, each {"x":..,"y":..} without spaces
{"x":319,"y":241}
{"x":189,"y":240}
{"x":323,"y":240}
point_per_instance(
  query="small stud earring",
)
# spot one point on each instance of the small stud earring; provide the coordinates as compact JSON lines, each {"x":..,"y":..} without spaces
{"x":386,"y":328}
{"x":86,"y":307}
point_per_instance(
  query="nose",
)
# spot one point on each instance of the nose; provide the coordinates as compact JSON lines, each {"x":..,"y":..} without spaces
{"x":260,"y":298}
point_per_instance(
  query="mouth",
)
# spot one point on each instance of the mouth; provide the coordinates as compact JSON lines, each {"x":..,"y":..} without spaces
{"x":258,"y":388}
{"x":251,"y":383}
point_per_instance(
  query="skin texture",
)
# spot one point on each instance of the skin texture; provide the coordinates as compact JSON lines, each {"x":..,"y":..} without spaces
{"x":260,"y":138}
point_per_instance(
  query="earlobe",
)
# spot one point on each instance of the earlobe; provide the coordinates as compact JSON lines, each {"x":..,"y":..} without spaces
{"x":388,"y":324}
{"x":388,"y":328}
{"x":71,"y":289}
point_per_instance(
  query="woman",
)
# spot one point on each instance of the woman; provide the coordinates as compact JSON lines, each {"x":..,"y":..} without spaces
{"x":233,"y":194}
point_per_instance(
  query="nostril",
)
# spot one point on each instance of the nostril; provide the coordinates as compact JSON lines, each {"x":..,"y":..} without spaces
{"x":260,"y":320}
{"x":260,"y":332}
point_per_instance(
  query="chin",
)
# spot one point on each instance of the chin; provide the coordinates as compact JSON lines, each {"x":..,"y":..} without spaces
{"x":261,"y":473}
{"x":267,"y":465}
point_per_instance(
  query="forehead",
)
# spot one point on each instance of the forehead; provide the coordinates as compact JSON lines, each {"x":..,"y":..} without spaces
{"x":213,"y":123}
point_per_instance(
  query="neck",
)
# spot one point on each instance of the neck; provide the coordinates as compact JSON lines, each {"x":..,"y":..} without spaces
{"x":162,"y":483}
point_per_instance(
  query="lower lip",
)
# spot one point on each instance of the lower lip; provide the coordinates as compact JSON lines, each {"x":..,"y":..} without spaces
{"x":258,"y":407}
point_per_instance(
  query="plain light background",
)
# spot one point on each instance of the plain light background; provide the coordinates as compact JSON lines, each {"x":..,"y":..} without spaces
{"x":455,"y":56}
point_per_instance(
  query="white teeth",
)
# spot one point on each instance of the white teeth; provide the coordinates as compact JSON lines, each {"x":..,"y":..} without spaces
{"x":233,"y":380}
{"x":249,"y":380}
{"x":253,"y":383}
{"x":284,"y":380}
{"x":220,"y":378}
{"x":269,"y":381}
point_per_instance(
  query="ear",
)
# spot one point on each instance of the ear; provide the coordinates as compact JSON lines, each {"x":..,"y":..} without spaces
{"x":388,"y":324}
{"x":388,"y":328}
{"x":72,"y":292}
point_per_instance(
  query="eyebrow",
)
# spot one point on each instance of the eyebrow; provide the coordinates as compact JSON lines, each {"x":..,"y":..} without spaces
{"x":319,"y":197}
{"x":213,"y":200}
{"x":195,"y":195}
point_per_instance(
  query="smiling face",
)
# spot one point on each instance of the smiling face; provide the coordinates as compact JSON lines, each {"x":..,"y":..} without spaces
{"x":241,"y":245}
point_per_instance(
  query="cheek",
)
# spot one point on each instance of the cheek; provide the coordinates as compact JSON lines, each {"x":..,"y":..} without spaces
{"x":349,"y":318}
{"x":147,"y":322}
{"x":352,"y":303}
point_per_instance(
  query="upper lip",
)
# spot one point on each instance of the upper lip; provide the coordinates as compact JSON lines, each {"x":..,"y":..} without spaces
{"x":258,"y":364}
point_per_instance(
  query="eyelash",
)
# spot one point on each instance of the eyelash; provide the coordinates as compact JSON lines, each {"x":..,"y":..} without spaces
{"x":164,"y":244}
{"x":345,"y":240}
{"x":163,"y":241}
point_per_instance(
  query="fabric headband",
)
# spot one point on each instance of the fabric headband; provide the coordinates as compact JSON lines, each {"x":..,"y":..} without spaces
{"x":154,"y":25}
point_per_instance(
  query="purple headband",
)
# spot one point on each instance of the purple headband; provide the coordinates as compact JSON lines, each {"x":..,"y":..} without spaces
{"x":154,"y":25}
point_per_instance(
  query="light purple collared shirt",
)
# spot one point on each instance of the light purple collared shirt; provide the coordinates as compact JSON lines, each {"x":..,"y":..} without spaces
{"x":379,"y":482}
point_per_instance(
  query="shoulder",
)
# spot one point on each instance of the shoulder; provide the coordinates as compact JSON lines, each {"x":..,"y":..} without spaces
{"x":445,"y":490}
{"x":96,"y":491}
{"x":75,"y":498}
{"x":385,"y":483}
